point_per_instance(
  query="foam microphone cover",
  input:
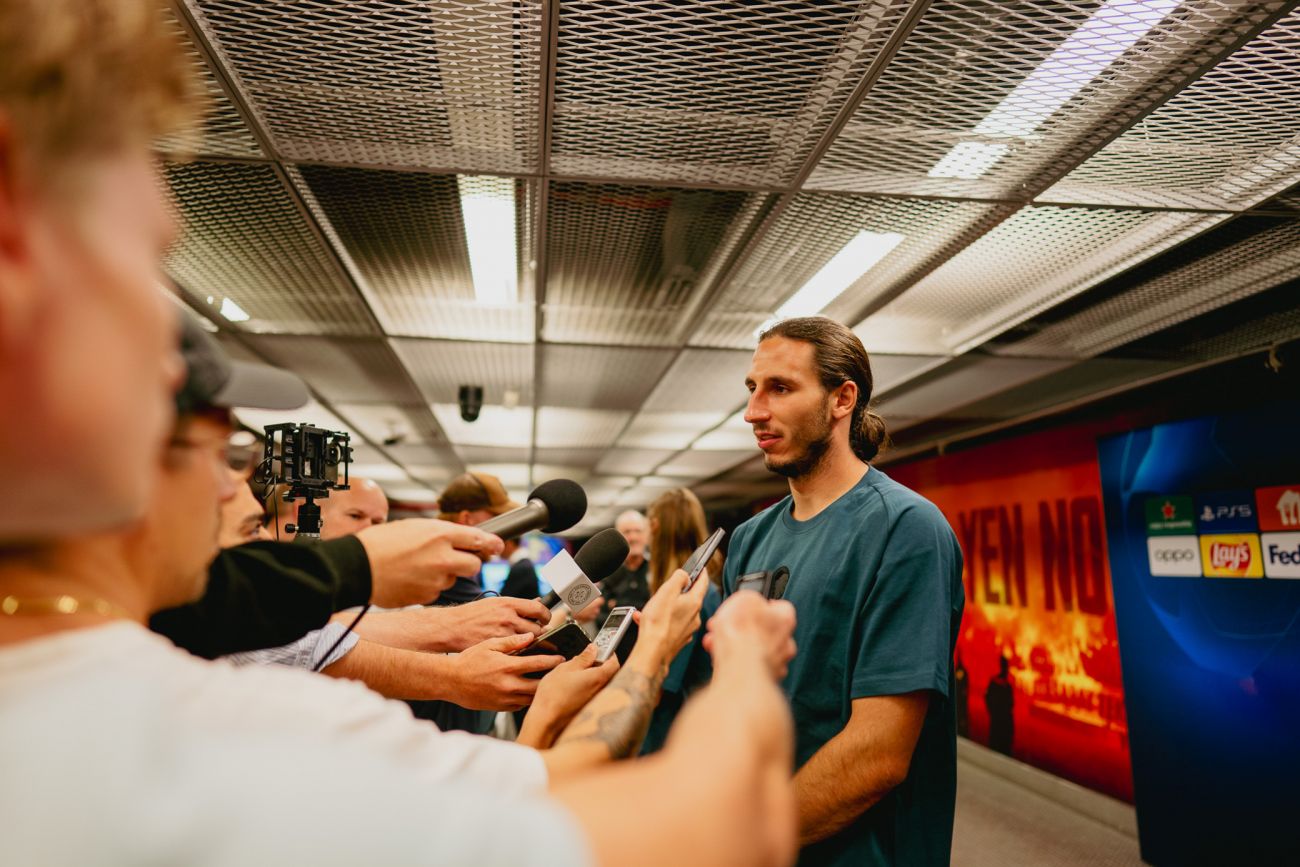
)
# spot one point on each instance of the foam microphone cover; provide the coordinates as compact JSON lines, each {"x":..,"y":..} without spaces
{"x":603,"y":553}
{"x":566,"y":503}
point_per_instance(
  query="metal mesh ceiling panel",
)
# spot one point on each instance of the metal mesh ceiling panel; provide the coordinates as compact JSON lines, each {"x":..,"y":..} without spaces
{"x":392,"y":424}
{"x":717,"y":90}
{"x":669,"y":429}
{"x":245,"y":240}
{"x":395,"y":82}
{"x":441,"y":367}
{"x":1226,"y":141}
{"x":564,"y":427}
{"x":695,"y":464}
{"x":586,"y":458}
{"x":223,"y":132}
{"x":599,"y":377}
{"x":966,"y":380}
{"x":497,"y":426}
{"x":811,"y":231}
{"x":473,"y":456}
{"x":1037,"y":258}
{"x":987,"y":98}
{"x":1265,"y":260}
{"x":624,"y":262}
{"x":343,"y":370}
{"x":406,"y":235}
{"x":632,"y":462}
{"x":702,"y":380}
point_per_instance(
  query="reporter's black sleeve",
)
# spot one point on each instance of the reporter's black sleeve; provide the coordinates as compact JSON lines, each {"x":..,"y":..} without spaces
{"x":267,"y":594}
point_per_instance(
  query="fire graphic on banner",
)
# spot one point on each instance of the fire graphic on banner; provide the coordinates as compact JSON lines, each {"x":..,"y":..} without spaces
{"x":1038,"y":657}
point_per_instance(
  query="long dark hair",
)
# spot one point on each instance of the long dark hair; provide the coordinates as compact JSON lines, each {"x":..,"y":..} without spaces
{"x":840,"y":357}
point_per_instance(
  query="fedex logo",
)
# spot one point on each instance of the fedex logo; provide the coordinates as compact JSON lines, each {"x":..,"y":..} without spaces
{"x":1281,"y":555}
{"x":1235,"y":555}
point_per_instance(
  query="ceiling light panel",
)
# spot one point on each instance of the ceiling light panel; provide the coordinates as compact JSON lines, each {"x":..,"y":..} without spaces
{"x":496,"y":426}
{"x":393,"y":425}
{"x":563,"y":427}
{"x":1037,"y":258}
{"x":734,"y":434}
{"x":699,"y":464}
{"x":473,"y":456}
{"x":1260,"y":262}
{"x":379,"y":472}
{"x":406,"y":234}
{"x":623,"y":262}
{"x":342,"y":369}
{"x":632,"y":462}
{"x":600,"y":377}
{"x":408,"y":493}
{"x":702,"y":380}
{"x":1229,"y":140}
{"x":312,"y":414}
{"x":584,"y":458}
{"x":812,"y":232}
{"x":669,"y":429}
{"x":244,"y":239}
{"x":989,"y":98}
{"x":716,"y":91}
{"x":963,"y":381}
{"x":396,"y":82}
{"x":546,"y":472}
{"x":441,"y":367}
{"x":222,"y":131}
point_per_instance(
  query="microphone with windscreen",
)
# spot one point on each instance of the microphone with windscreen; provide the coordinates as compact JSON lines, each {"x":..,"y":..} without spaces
{"x":579,"y":585}
{"x":552,"y":507}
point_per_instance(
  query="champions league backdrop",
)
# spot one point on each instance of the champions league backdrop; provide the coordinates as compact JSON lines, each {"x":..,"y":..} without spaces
{"x":1203,"y":521}
{"x":1038,"y":659}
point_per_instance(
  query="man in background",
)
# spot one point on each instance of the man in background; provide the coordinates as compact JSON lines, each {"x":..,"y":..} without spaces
{"x":521,"y":581}
{"x":471,"y":499}
{"x":630,"y":583}
{"x":343,"y":513}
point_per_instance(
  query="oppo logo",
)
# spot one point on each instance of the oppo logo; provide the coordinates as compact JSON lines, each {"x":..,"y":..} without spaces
{"x":1173,"y":555}
{"x":1234,"y":557}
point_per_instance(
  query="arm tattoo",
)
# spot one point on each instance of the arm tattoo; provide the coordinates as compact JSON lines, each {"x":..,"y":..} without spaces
{"x":620,"y":723}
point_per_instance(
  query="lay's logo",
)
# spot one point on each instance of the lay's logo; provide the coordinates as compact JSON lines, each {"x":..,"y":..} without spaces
{"x":1235,"y":555}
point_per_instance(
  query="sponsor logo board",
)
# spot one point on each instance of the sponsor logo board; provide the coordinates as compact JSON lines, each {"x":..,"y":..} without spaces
{"x":1281,"y":554}
{"x":1174,"y":556}
{"x":1231,"y":555}
{"x":1226,"y":512}
{"x":1279,"y":508}
{"x":1170,"y":516}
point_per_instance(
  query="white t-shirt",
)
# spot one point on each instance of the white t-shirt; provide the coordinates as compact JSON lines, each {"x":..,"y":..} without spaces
{"x":117,"y":748}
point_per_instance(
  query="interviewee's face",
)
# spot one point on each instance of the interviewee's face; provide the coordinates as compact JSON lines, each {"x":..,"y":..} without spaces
{"x":788,"y":409}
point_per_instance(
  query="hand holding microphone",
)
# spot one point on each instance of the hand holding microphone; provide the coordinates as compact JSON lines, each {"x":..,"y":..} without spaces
{"x":578,"y":586}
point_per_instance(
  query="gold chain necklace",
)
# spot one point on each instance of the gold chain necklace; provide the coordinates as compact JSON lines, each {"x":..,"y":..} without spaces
{"x":62,"y":605}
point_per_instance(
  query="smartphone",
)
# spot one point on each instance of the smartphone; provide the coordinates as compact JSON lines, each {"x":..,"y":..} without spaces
{"x":567,"y":640}
{"x":702,"y":556}
{"x":770,"y":584}
{"x":611,"y":635}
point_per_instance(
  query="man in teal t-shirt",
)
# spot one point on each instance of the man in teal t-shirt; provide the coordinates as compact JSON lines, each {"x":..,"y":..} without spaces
{"x":875,"y":576}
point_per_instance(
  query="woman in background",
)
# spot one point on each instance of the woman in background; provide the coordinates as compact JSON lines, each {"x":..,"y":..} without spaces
{"x":677,"y":528}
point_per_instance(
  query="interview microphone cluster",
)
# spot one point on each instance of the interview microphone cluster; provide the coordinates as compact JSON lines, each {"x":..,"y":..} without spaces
{"x":552,"y":507}
{"x":578,"y":585}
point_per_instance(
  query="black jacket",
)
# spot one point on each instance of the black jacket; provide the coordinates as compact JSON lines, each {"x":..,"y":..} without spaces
{"x":267,"y":594}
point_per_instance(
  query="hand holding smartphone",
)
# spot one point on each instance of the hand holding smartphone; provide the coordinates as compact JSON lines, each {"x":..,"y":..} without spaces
{"x":703,"y":554}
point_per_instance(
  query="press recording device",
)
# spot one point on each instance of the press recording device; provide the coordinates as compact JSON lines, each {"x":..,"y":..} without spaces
{"x":771,"y":584}
{"x":307,"y":460}
{"x":619,"y":629}
{"x":701,"y":557}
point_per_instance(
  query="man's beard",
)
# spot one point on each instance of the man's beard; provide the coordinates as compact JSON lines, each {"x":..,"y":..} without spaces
{"x":816,"y":436}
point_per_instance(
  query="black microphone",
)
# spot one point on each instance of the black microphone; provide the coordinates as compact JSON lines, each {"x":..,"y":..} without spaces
{"x":552,"y":506}
{"x":598,"y":559}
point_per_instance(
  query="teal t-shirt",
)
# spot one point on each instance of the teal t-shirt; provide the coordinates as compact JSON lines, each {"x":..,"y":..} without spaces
{"x":876,"y":581}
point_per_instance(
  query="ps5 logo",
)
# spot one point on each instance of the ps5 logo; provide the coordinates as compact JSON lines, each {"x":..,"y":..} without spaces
{"x":1226,"y":513}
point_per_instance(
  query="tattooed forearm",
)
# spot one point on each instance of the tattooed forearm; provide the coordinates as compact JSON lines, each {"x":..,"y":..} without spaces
{"x":619,"y":716}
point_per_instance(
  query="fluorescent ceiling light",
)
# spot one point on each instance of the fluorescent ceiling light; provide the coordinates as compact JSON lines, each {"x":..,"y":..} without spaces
{"x":844,"y":269}
{"x":378,"y":472}
{"x":232,"y":311}
{"x":487,"y":205}
{"x":1112,"y":30}
{"x":968,"y":160}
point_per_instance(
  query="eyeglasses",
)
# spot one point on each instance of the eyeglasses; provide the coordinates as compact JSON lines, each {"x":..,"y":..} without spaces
{"x":240,"y":451}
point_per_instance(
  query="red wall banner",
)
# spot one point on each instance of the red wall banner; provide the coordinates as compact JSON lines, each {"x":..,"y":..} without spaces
{"x":1038,"y":655}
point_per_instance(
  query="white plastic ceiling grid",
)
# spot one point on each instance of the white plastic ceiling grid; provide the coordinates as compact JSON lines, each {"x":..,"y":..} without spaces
{"x":624,"y":262}
{"x":244,"y":239}
{"x":392,"y":82}
{"x":717,"y":90}
{"x":1267,"y":259}
{"x":599,"y":377}
{"x":405,"y":233}
{"x":815,"y":227}
{"x":223,"y":131}
{"x":345,"y":370}
{"x":1037,"y":258}
{"x":664,"y":209}
{"x":1228,"y":140}
{"x":964,"y":78}
{"x":441,"y":367}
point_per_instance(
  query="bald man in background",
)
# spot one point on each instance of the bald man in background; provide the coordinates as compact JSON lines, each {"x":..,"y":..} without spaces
{"x":343,"y":513}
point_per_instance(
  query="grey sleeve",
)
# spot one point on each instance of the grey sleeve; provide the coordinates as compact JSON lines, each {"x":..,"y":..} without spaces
{"x":307,"y":652}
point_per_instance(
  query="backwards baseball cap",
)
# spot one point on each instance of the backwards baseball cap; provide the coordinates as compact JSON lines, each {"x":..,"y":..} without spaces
{"x":214,"y":379}
{"x":472,"y":492}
